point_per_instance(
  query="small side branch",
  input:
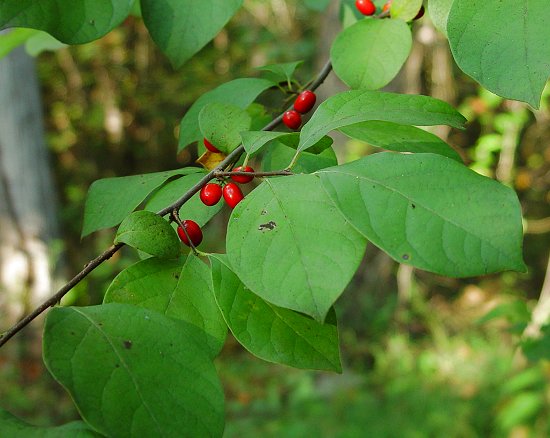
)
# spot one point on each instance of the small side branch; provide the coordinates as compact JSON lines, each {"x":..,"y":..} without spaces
{"x":108,"y":253}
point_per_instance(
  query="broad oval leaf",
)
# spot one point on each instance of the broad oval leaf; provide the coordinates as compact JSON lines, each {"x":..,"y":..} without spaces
{"x":74,"y":22}
{"x":280,"y":72}
{"x":192,"y":209}
{"x":182,"y":27}
{"x":148,"y":232}
{"x":13,"y":427}
{"x":439,"y":13}
{"x":273,"y":333}
{"x":253,"y":141}
{"x":430,"y":212}
{"x":357,"y":52}
{"x":222,"y":124}
{"x":289,"y":244}
{"x":505,"y":47}
{"x":400,"y":138}
{"x":180,"y":289}
{"x":110,"y":200}
{"x":240,"y":92}
{"x":281,"y":153}
{"x":134,"y":372}
{"x":355,"y":106}
{"x":405,"y":10}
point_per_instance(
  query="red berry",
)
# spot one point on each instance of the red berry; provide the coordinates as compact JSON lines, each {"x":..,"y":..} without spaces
{"x":366,"y":7}
{"x":210,"y":194}
{"x":242,"y":179}
{"x":194,"y":231}
{"x":292,"y":119}
{"x":232,"y":194}
{"x":420,"y":13}
{"x":305,"y":101}
{"x":387,"y":6}
{"x":210,"y":146}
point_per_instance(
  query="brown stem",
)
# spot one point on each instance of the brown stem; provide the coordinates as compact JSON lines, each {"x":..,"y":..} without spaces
{"x":283,"y":172}
{"x":108,"y":253}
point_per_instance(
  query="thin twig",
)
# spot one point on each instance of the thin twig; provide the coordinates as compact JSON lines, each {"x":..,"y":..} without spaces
{"x":284,"y":172}
{"x":108,"y":253}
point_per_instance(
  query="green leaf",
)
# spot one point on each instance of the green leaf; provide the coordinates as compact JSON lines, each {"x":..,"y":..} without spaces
{"x":134,"y":372}
{"x":281,"y":152}
{"x":239,"y":92}
{"x":290,"y":246}
{"x":355,"y":106}
{"x":400,"y":138}
{"x":430,"y":212}
{"x":280,"y":72}
{"x":182,"y":27}
{"x":12,"y":39}
{"x":110,"y":200}
{"x":42,"y":42}
{"x":357,"y":52}
{"x":405,"y":10}
{"x":270,"y":332}
{"x":505,"y":47}
{"x":13,"y":427}
{"x":222,"y":124}
{"x":148,"y":232}
{"x":180,"y":289}
{"x":439,"y":13}
{"x":74,"y":22}
{"x":253,"y":141}
{"x":193,"y":209}
{"x":259,"y":116}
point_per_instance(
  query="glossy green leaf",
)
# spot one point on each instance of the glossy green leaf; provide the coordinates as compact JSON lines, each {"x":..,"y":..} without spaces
{"x":280,"y":72}
{"x":110,"y":200}
{"x":270,"y":332}
{"x":193,"y":209}
{"x":12,"y":39}
{"x":239,"y":92}
{"x":74,"y":22}
{"x":259,"y":116}
{"x":13,"y":427}
{"x":279,"y":155}
{"x":355,"y":106}
{"x":222,"y":124}
{"x":291,"y":246}
{"x":148,"y":232}
{"x":505,"y":47}
{"x":400,"y":138}
{"x":182,"y":27}
{"x":370,"y":53}
{"x":439,"y":13}
{"x":253,"y":141}
{"x":134,"y":372}
{"x":430,"y":212}
{"x":405,"y":10}
{"x":179,"y":289}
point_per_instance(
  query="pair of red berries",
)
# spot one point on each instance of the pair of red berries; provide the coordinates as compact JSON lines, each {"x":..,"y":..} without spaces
{"x":302,"y":105}
{"x":211,"y":193}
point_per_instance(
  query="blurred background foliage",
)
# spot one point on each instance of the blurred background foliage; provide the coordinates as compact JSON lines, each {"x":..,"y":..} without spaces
{"x":423,"y":355}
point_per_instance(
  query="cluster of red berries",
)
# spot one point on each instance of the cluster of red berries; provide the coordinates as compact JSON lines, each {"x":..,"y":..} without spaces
{"x":302,"y":105}
{"x":210,"y":195}
{"x":367,"y":7}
